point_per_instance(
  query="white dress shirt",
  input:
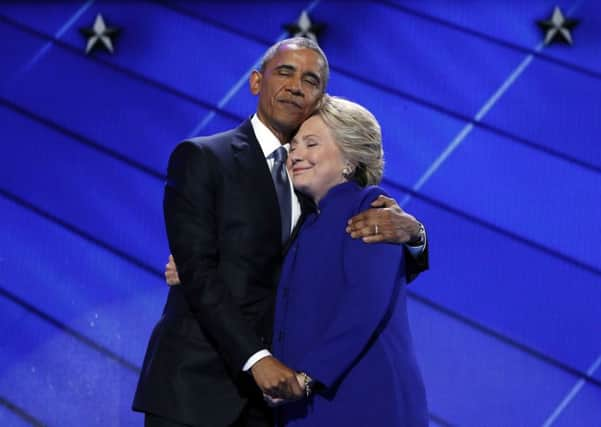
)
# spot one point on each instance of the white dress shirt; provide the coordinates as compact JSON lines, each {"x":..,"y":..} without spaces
{"x":269,"y":143}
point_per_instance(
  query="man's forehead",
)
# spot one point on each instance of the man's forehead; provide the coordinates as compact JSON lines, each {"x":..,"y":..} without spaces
{"x":287,"y":51}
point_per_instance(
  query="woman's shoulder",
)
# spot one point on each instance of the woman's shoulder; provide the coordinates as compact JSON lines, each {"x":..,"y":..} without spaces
{"x":366,"y":195}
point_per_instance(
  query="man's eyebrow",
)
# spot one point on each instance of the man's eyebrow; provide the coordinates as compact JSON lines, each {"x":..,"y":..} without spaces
{"x":286,"y":67}
{"x":312,"y":74}
{"x":293,"y":68}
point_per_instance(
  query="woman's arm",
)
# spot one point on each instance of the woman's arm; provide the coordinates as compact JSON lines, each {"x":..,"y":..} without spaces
{"x":373,"y":274}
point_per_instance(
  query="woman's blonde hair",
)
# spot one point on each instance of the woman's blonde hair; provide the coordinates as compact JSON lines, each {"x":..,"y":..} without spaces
{"x":358,"y":135}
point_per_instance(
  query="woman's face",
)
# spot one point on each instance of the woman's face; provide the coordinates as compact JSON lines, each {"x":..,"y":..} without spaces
{"x":316,"y":162}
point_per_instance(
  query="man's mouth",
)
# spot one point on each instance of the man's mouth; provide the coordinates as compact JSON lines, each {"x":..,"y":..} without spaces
{"x":290,"y":102}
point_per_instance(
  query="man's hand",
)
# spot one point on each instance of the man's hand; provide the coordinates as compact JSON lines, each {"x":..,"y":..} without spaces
{"x":276,"y":380}
{"x":385,"y":222}
{"x":276,"y":401}
{"x":171,"y":276}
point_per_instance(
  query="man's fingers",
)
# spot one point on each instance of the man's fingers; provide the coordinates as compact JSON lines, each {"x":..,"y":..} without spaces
{"x":383,"y":202}
{"x":297,"y":389}
{"x":374,"y":239}
{"x":273,"y":401}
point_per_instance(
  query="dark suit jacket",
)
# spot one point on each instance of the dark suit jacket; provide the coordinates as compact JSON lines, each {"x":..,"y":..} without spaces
{"x":222,"y":219}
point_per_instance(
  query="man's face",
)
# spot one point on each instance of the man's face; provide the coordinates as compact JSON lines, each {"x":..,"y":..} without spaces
{"x":289,"y":88}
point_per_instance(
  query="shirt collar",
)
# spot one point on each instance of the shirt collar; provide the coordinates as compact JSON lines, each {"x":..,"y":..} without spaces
{"x":267,"y":140}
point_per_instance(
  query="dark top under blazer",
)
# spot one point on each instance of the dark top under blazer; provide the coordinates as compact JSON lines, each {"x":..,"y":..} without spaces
{"x":222,"y":220}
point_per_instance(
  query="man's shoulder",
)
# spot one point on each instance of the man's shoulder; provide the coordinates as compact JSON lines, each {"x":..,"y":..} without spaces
{"x":219,"y":143}
{"x":211,"y":142}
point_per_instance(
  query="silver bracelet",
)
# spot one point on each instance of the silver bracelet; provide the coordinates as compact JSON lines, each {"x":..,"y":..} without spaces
{"x":306,"y":384}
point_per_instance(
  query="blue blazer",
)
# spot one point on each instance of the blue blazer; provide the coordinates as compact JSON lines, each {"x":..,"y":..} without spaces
{"x":341,"y":317}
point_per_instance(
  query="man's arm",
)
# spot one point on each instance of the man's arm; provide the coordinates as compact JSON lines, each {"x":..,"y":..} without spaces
{"x":190,"y":208}
{"x":393,"y":226}
{"x":191,"y":212}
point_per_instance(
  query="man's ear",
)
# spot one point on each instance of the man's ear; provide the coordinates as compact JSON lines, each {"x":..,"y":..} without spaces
{"x":255,"y":82}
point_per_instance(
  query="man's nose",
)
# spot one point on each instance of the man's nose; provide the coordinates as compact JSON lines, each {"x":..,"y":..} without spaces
{"x":295,"y":86}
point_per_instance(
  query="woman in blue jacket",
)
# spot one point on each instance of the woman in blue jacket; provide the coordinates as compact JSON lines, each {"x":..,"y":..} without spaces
{"x":341,"y":314}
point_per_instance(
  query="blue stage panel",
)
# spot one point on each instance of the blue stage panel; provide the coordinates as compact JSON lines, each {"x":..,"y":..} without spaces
{"x":413,"y":136}
{"x":513,"y":289}
{"x":169,"y":47}
{"x":11,"y":419}
{"x":473,"y":380}
{"x":581,"y":410}
{"x":508,"y":21}
{"x":49,"y":17}
{"x":59,"y":380}
{"x":15,"y":54}
{"x":261,"y":20}
{"x":174,"y":49}
{"x":120,"y":205}
{"x":429,"y":61}
{"x":79,"y":284}
{"x":549,"y":204}
{"x":554,"y":107}
{"x":114,"y":110}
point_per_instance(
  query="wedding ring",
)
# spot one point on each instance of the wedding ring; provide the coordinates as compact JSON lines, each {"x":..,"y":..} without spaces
{"x":376,"y":229}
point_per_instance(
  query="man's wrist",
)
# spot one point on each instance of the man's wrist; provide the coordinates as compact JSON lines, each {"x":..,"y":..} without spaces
{"x":420,"y":237}
{"x":252,"y":360}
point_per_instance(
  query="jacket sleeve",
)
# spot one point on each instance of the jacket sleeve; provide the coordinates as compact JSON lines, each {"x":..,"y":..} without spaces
{"x":414,"y":265}
{"x":192,"y":221}
{"x":373,"y":275}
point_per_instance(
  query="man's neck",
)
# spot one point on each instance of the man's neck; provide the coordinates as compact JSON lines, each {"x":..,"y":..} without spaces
{"x":283,"y":137}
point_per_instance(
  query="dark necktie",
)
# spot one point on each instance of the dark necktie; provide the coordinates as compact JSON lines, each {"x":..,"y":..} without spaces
{"x":282,"y":188}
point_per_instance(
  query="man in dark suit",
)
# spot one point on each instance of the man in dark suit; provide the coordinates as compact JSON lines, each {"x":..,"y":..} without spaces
{"x":228,"y":220}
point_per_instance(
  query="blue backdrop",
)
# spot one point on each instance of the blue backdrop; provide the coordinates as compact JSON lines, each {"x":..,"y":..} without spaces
{"x":492,"y":140}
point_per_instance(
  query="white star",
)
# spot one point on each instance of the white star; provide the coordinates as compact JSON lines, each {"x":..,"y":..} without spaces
{"x":99,"y":34}
{"x":558,"y":27}
{"x":304,"y":27}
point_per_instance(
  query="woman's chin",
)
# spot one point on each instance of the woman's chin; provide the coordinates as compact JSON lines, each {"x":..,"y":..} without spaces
{"x":304,"y":187}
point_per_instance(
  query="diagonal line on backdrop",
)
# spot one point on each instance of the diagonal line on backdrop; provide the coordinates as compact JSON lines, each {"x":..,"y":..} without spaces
{"x":68,"y":330}
{"x":61,"y":31}
{"x":571,"y":394}
{"x":412,"y":98}
{"x":82,"y":139}
{"x":496,"y":40}
{"x":507,"y":340}
{"x":81,"y":233}
{"x":437,"y":307}
{"x":20,"y":412}
{"x":238,"y":85}
{"x":405,"y":95}
{"x":499,"y":230}
{"x":467,"y":129}
{"x":120,"y":69}
{"x":429,"y":200}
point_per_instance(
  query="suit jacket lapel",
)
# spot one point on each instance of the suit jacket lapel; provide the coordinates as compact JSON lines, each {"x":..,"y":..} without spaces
{"x":254,"y":176}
